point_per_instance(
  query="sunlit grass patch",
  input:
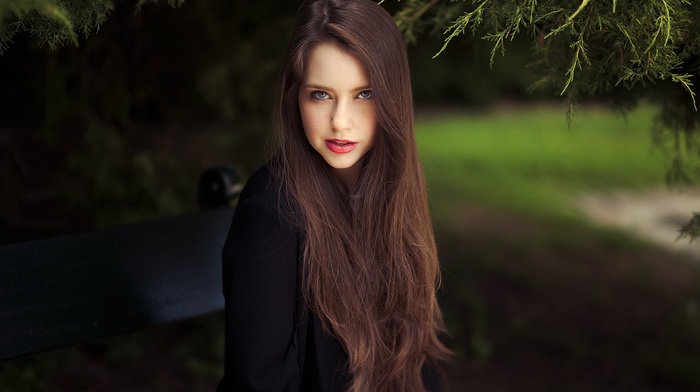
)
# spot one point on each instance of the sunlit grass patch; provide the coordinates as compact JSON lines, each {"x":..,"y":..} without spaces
{"x":531,"y":161}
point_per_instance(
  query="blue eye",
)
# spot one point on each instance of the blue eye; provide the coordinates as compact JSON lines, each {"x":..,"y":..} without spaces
{"x":319,"y":95}
{"x":366,"y":94}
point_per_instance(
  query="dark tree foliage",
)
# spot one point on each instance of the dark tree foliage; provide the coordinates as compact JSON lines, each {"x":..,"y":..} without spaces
{"x":56,"y":22}
{"x":119,"y":127}
{"x":585,"y":48}
{"x":692,"y":228}
{"x":620,"y":51}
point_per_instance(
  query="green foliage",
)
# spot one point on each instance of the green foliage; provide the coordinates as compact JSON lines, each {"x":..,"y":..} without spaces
{"x":584,"y":48}
{"x":56,"y":22}
{"x":616,"y":50}
{"x":691,"y":229}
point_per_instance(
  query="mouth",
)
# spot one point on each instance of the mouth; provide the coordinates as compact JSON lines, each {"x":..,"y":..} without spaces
{"x":340,"y":146}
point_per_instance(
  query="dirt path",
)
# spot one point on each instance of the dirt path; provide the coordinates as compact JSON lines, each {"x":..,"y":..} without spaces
{"x":655,"y":214}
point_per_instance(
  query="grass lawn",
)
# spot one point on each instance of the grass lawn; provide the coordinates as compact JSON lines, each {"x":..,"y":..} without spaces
{"x":530,"y":161}
{"x":536,"y":297}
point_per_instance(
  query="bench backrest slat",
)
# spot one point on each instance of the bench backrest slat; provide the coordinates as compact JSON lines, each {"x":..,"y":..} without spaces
{"x":67,"y":290}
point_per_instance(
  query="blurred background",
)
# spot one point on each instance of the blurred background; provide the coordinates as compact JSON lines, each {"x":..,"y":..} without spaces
{"x":554,"y":275}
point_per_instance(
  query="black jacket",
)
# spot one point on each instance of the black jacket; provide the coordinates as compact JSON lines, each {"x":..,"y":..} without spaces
{"x":273,"y":341}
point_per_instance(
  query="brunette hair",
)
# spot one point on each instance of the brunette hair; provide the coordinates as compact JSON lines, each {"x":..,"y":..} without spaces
{"x":370,"y":268}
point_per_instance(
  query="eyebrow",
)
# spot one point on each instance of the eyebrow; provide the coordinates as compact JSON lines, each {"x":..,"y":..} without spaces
{"x":321,"y":87}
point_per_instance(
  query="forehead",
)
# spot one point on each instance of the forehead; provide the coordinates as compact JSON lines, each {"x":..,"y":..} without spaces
{"x":328,"y":64}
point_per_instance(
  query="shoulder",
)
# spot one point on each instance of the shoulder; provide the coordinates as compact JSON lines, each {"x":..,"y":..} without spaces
{"x":261,"y":185}
{"x":264,"y":193}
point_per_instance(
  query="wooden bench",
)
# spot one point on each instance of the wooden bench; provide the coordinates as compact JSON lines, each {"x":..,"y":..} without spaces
{"x":67,"y":290}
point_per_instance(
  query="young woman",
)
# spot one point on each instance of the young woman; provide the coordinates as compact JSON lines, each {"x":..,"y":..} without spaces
{"x":330,"y":267}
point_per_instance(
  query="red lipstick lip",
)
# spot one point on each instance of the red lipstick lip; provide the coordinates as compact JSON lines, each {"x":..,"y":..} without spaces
{"x":340,"y":146}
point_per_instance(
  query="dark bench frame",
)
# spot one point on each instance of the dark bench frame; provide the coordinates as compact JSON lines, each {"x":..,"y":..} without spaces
{"x":67,"y":290}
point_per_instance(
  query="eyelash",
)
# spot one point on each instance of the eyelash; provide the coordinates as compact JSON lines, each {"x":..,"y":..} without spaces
{"x":321,"y":95}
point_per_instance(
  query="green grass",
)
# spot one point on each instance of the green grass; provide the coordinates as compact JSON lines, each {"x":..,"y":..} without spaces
{"x":531,"y":161}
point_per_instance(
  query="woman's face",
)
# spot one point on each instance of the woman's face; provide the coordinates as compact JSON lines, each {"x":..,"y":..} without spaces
{"x":337,"y":109}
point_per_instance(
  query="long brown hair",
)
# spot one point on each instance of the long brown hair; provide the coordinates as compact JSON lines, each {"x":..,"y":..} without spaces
{"x":370,"y":266}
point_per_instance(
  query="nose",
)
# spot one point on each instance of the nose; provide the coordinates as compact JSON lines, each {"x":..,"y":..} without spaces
{"x":341,"y":118}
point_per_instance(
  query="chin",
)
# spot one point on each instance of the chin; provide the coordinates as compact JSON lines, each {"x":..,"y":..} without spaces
{"x":340,"y":166}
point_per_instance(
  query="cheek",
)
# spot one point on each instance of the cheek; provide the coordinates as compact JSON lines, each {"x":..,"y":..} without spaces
{"x":373,"y":126}
{"x":306,"y":119}
{"x":373,"y":136}
{"x":314,"y":119}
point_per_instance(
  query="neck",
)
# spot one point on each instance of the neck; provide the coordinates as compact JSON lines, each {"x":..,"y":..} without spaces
{"x":348,"y":176}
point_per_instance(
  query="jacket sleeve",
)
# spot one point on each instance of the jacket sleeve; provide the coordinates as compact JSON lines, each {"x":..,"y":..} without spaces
{"x":260,"y":287}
